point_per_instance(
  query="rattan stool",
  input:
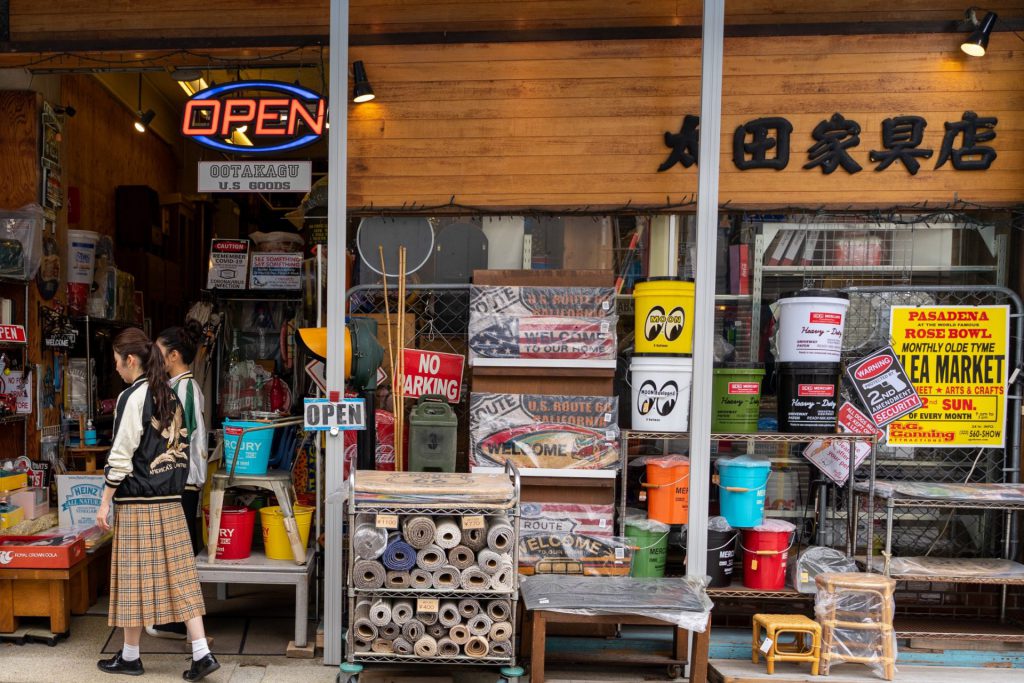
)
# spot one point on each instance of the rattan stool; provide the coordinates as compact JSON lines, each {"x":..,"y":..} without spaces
{"x":800,"y":650}
{"x":860,"y":603}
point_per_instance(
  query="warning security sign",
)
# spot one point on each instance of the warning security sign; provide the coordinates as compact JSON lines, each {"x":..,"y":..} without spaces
{"x":883,"y":387}
{"x":956,"y":357}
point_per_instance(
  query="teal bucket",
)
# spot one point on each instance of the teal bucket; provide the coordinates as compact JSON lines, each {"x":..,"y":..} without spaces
{"x":254,"y":455}
{"x":743,"y":483}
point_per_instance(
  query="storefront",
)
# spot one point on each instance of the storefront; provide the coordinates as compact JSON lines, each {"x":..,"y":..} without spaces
{"x":879,"y":167}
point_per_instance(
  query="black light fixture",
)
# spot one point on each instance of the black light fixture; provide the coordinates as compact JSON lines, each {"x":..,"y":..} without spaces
{"x":361,"y":91}
{"x":143,"y":118}
{"x":185,"y":73}
{"x":977,"y":43}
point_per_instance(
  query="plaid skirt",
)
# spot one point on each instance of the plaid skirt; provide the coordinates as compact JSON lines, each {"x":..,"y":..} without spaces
{"x":153,"y":577}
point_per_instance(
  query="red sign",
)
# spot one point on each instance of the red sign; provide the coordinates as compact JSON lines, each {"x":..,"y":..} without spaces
{"x":816,"y":390}
{"x":873,"y":368}
{"x":744,"y":387}
{"x":827,"y":318}
{"x":430,"y":372}
{"x":855,"y":422}
{"x":12,"y":333}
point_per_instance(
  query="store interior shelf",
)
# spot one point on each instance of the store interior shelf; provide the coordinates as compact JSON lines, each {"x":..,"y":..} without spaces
{"x":565,"y":473}
{"x":441,"y":594}
{"x":560,"y":363}
{"x":874,"y":270}
{"x":399,"y":659}
{"x":761,"y":437}
{"x":952,"y":578}
{"x":738,"y":590}
{"x":390,"y":508}
{"x":959,"y":629}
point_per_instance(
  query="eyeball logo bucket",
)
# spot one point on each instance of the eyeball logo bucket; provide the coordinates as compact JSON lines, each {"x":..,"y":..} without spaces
{"x":661,"y":400}
{"x":670,"y":326}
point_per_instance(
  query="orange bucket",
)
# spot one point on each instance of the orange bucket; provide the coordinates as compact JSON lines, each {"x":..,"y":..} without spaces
{"x":668,"y":489}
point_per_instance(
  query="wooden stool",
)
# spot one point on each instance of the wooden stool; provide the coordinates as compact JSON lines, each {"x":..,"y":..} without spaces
{"x":53,"y":593}
{"x":800,"y":627}
{"x":856,"y":602}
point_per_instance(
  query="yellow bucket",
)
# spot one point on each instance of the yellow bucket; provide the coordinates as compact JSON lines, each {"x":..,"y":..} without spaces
{"x":663,"y":309}
{"x":275,"y":540}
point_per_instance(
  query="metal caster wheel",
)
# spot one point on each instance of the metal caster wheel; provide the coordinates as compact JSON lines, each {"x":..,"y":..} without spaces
{"x":675,"y":671}
{"x":346,"y":678}
{"x":511,"y":674}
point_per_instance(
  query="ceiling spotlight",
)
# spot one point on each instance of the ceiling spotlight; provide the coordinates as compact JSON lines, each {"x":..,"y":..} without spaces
{"x":977,"y":43}
{"x":186,"y":74}
{"x":144,"y":119}
{"x":362,"y":91}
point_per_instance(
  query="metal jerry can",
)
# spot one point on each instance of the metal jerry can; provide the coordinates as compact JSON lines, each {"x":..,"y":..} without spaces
{"x":433,"y":431}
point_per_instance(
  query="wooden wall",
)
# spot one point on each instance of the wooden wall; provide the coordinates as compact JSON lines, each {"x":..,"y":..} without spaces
{"x":112,"y":19}
{"x":571,"y":124}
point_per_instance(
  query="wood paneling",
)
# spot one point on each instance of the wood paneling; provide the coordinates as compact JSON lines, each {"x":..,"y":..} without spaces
{"x":572,"y":124}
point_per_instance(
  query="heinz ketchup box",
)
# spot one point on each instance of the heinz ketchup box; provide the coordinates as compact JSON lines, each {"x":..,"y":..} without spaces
{"x":40,"y":552}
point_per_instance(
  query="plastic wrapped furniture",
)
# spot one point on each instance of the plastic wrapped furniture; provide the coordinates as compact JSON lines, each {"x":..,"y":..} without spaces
{"x":817,"y":560}
{"x":855,"y":612}
{"x":806,"y":645}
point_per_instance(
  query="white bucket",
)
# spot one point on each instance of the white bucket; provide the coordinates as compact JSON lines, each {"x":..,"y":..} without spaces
{"x":811,"y":327}
{"x":661,"y":393}
{"x":81,"y":264}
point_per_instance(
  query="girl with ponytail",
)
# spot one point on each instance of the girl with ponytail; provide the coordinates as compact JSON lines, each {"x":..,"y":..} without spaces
{"x":153,"y":578}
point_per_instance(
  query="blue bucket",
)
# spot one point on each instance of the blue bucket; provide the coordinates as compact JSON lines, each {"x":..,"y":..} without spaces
{"x":743,"y":483}
{"x":254,"y":455}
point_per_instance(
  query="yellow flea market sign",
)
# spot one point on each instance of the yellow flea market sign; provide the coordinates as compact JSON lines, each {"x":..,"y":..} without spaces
{"x":956,"y":356}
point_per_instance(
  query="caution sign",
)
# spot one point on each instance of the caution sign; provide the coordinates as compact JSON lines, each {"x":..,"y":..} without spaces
{"x":883,"y":386}
{"x":956,"y":357}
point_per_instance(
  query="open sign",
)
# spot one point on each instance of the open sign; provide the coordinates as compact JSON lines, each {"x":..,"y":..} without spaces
{"x":323,"y":415}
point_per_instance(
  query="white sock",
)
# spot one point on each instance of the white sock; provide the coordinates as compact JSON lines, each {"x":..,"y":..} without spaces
{"x":199,"y":649}
{"x":129,"y":653}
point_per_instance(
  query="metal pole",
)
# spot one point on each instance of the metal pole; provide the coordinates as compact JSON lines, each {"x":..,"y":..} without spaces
{"x":337,"y":193}
{"x":704,"y":311}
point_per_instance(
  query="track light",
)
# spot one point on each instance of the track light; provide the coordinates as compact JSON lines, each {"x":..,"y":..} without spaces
{"x":186,"y":74}
{"x":144,"y":119}
{"x":361,"y":92}
{"x":977,"y":43}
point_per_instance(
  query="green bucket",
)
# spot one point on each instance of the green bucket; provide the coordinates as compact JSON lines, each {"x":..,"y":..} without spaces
{"x":650,"y":547}
{"x":736,"y":400}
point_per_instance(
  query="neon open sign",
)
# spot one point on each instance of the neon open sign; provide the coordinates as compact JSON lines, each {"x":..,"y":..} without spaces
{"x":285,"y":116}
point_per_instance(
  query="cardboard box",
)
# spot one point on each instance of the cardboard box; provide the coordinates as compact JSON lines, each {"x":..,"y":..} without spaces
{"x":22,"y":552}
{"x":34,"y":501}
{"x":78,"y":498}
{"x":10,"y":515}
{"x":12,"y":481}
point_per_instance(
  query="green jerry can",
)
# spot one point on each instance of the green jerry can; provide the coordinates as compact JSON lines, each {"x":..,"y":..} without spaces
{"x":433,"y":432}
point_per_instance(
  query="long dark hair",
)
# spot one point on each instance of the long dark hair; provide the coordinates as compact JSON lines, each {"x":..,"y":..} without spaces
{"x":184,"y":340}
{"x":134,"y":342}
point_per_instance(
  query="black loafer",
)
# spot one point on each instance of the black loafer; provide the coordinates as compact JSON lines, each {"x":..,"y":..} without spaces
{"x":117,"y":665}
{"x":201,"y":669}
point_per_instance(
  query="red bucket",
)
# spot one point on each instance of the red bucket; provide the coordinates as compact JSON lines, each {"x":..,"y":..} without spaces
{"x":764,"y":559}
{"x":236,"y":525}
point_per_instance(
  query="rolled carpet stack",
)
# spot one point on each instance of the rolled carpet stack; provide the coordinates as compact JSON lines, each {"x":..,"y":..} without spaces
{"x":420,"y":578}
{"x":431,"y":558}
{"x":362,"y":609}
{"x":397,"y":580}
{"x":469,"y":608}
{"x":427,"y":618}
{"x":413,"y":630}
{"x":399,"y":556}
{"x":501,"y":648}
{"x":474,"y":539}
{"x":448,"y":534}
{"x":380,"y":613}
{"x":480,"y":625}
{"x":489,"y":561}
{"x":461,"y":557}
{"x":437,"y":631}
{"x":501,"y":630}
{"x":365,"y":629}
{"x":402,"y":611}
{"x":402,"y":646}
{"x":504,"y":580}
{"x":369,"y":542}
{"x":426,"y":647}
{"x":447,"y":578}
{"x":500,"y":535}
{"x":362,"y":645}
{"x":477,"y":647}
{"x":459,"y":634}
{"x":368,"y":574}
{"x":448,"y":614}
{"x":499,"y":610}
{"x":390,"y":631}
{"x":446,"y":648}
{"x":475,"y":578}
{"x":383,"y":647}
{"x":418,"y":531}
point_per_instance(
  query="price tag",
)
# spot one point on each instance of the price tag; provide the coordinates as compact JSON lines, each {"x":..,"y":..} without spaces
{"x":766,"y":646}
{"x":426,"y":605}
{"x":805,"y":577}
{"x":473,"y":522}
{"x":607,"y":417}
{"x":609,"y":434}
{"x":602,"y":524}
{"x":543,"y":601}
{"x":387,"y":521}
{"x":620,"y":554}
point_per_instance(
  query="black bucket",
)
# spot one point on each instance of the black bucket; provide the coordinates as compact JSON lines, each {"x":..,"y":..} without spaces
{"x":721,"y":554}
{"x":808,"y":397}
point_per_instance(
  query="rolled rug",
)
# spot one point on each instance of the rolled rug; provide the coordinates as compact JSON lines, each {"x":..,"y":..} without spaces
{"x":418,"y":531}
{"x":364,"y":629}
{"x":474,"y":578}
{"x":368,"y":574}
{"x":447,"y":578}
{"x":461,"y":557}
{"x":369,"y":542}
{"x":383,"y":647}
{"x":501,"y":648}
{"x":361,"y":645}
{"x":390,"y":631}
{"x":413,"y":630}
{"x":431,"y":558}
{"x":474,"y":539}
{"x":402,"y":646}
{"x":489,"y":561}
{"x":437,"y":631}
{"x":427,"y":618}
{"x":480,"y":625}
{"x":459,"y":634}
{"x":477,"y":647}
{"x":469,"y":608}
{"x":501,"y":630}
{"x":420,"y":578}
{"x":506,"y":560}
{"x":500,"y":535}
{"x":362,"y":609}
{"x":399,"y":556}
{"x":446,"y":648}
{"x":397,"y":580}
{"x":380,"y":613}
{"x":402,"y":611}
{"x":448,"y":614}
{"x":449,"y":534}
{"x":499,"y":610}
{"x":504,"y":580}
{"x":425,"y":647}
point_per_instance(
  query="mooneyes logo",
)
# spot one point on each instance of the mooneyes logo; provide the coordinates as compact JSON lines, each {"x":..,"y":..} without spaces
{"x":662,"y":401}
{"x":231,"y":118}
{"x":671,"y":325}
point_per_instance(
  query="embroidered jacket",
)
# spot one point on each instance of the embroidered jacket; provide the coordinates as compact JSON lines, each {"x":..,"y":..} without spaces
{"x":191,"y":398}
